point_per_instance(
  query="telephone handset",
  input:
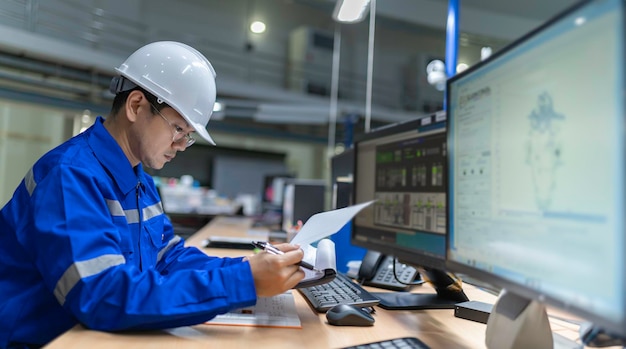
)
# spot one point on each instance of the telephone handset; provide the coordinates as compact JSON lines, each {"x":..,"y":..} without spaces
{"x":377,"y":270}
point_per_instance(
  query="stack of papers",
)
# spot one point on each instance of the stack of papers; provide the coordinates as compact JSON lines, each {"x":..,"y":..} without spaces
{"x":277,"y":311}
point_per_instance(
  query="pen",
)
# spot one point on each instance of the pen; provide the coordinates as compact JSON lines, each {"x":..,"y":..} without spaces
{"x":266,"y":246}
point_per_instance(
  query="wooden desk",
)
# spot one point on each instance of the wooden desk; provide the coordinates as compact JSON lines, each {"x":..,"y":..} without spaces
{"x":437,"y":328}
{"x":235,"y":226}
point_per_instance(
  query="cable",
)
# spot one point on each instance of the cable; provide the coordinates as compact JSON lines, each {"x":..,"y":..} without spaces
{"x":395,"y":276}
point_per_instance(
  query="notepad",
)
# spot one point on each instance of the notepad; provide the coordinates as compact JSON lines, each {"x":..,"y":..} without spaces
{"x":323,"y":259}
{"x":277,"y":311}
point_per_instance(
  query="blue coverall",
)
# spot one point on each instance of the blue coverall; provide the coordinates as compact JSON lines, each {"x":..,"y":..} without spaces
{"x":84,"y":240}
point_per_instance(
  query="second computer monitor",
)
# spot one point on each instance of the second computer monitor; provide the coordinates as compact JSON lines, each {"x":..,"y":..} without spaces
{"x":403,"y":168}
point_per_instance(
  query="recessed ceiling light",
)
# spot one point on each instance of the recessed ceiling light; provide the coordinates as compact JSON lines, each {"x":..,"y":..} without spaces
{"x":350,"y":11}
{"x":257,"y":27}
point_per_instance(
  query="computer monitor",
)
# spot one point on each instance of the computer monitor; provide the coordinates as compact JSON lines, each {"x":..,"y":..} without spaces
{"x":341,"y":174}
{"x":272,"y":202}
{"x":402,"y":166}
{"x":273,"y":188}
{"x":302,"y":198}
{"x":537,"y":159}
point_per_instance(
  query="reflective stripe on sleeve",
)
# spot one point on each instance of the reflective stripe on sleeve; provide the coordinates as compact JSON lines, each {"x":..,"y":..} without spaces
{"x":169,"y":245}
{"x":83,"y":269}
{"x":29,"y":181}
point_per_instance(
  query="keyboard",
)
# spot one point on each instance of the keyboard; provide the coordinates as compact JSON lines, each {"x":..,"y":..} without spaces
{"x":404,"y":343}
{"x":339,"y":291}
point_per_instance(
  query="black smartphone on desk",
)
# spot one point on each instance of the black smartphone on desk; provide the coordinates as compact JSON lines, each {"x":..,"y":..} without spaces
{"x":377,"y":270}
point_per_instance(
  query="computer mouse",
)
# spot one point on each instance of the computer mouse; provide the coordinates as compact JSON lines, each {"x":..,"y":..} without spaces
{"x":349,"y":315}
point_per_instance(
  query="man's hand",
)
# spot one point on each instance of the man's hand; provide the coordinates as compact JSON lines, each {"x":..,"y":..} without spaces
{"x":275,"y":274}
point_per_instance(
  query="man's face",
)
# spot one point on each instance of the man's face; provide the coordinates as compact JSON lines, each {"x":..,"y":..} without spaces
{"x":155,"y":144}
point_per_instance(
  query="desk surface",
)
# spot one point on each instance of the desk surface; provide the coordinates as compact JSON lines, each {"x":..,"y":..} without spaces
{"x":437,"y":328}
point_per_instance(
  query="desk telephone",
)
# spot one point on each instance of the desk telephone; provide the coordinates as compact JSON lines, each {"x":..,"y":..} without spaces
{"x":377,"y":270}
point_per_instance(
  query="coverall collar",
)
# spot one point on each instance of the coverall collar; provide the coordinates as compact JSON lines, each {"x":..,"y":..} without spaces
{"x":110,"y":155}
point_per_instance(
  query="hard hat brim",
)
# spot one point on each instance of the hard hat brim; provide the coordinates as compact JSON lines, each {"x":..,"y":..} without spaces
{"x":201,"y":130}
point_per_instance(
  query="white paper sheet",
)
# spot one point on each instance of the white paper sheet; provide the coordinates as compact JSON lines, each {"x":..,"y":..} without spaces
{"x":327,"y":223}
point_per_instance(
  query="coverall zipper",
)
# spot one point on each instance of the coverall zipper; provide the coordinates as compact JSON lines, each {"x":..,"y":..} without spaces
{"x":137,"y":190}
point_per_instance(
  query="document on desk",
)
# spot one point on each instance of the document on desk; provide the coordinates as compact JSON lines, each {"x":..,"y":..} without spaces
{"x":327,"y":223}
{"x":277,"y":311}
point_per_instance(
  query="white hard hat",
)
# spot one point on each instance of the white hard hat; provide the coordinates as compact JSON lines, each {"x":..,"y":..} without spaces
{"x":176,"y":74}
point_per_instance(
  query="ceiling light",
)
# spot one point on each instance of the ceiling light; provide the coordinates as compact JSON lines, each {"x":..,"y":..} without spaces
{"x":350,"y":11}
{"x":217,"y":107}
{"x":257,"y":27}
{"x":485,"y":53}
{"x":580,"y":21}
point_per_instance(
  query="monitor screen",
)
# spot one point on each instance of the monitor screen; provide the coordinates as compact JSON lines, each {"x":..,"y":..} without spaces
{"x":402,"y":167}
{"x":302,"y":198}
{"x":273,"y":188}
{"x":536,"y":165}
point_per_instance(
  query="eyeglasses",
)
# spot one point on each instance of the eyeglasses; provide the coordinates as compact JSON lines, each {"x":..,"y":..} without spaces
{"x":179,"y":133}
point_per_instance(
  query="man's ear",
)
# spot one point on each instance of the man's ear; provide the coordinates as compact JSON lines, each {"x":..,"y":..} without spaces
{"x":133,"y":102}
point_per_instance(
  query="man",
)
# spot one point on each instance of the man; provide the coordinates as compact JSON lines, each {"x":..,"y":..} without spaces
{"x":84,"y":238}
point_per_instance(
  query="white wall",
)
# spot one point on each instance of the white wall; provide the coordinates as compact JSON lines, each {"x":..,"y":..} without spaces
{"x":26,"y":133}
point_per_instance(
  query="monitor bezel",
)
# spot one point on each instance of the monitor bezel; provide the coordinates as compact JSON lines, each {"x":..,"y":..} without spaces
{"x":485,"y":276}
{"x":424,"y":125}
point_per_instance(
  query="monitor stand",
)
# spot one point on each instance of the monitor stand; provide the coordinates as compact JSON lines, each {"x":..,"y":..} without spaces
{"x":517,"y":322}
{"x":449,"y":293}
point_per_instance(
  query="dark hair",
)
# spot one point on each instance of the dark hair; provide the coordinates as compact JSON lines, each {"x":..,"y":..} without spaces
{"x":120,"y":100}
